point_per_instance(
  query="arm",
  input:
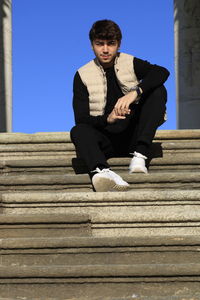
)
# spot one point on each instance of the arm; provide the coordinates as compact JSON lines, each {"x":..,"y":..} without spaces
{"x":151,"y":76}
{"x":81,"y":105}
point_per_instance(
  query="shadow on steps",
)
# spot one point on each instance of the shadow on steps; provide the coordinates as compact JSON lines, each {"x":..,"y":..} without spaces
{"x":79,"y":166}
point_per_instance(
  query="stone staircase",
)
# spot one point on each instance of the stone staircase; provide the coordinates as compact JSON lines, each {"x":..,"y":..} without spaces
{"x":60,"y":240}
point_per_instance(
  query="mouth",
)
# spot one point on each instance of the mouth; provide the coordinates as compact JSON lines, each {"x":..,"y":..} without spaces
{"x":105,"y":56}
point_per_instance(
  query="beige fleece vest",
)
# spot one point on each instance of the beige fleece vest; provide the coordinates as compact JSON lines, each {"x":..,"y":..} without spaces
{"x":94,"y":78}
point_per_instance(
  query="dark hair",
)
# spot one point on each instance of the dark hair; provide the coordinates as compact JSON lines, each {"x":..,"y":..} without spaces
{"x":105,"y":30}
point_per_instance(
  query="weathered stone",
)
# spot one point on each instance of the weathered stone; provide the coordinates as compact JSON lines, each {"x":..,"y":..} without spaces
{"x":44,"y":225}
{"x":5,"y":65}
{"x":137,"y":212}
{"x":39,"y":137}
{"x":64,"y":137}
{"x":96,"y":251}
{"x":105,"y":271}
{"x":187,"y":56}
{"x":37,"y":147}
{"x":136,"y":196}
{"x":152,"y":228}
{"x":68,"y":182}
{"x":109,"y":280}
{"x":182,"y":134}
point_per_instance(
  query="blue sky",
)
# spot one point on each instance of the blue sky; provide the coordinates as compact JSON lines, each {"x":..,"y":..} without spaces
{"x":50,"y":42}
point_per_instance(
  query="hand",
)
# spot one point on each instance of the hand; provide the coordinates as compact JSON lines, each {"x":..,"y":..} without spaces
{"x":113,"y":117}
{"x":122,"y":106}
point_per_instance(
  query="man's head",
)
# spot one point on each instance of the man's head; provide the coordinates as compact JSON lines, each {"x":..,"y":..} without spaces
{"x":105,"y":37}
{"x":105,"y":30}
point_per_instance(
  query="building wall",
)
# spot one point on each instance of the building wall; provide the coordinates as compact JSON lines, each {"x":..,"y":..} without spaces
{"x":187,"y":62}
{"x":5,"y":66}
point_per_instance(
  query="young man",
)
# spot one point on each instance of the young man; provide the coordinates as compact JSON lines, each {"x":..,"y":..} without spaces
{"x":119,"y":102}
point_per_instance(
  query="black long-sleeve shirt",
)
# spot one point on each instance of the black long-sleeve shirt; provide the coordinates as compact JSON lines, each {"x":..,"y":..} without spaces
{"x":151,"y":76}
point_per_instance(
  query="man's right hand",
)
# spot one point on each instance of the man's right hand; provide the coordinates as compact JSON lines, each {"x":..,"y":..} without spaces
{"x":113,"y":117}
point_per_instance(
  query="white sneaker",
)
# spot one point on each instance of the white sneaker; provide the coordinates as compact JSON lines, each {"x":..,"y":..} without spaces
{"x":106,"y":180}
{"x":137,"y":164}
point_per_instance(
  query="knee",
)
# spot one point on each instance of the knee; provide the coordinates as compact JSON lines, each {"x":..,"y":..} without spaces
{"x":155,"y":98}
{"x":79,"y":130}
{"x":160,"y":94}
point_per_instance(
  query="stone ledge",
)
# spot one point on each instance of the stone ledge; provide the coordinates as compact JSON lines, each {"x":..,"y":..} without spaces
{"x":93,"y":250}
{"x":102,"y":197}
{"x":39,"y":137}
{"x":101,"y":243}
{"x":48,"y":225}
{"x":168,"y":158}
{"x":81,"y":179}
{"x":103,"y":271}
{"x":63,"y":137}
{"x":42,"y":148}
{"x":72,"y":165}
{"x":192,"y":296}
{"x":43,"y":219}
{"x":118,"y":214}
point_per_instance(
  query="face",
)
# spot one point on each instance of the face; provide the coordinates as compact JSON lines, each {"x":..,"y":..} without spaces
{"x":105,"y":51}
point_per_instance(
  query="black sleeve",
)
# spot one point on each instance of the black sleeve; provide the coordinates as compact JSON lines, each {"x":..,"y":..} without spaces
{"x":81,"y":105}
{"x":151,"y":76}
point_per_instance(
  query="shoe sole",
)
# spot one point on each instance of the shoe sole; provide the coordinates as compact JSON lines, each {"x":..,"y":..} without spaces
{"x":121,"y":188}
{"x":138,"y":170}
{"x":108,"y":185}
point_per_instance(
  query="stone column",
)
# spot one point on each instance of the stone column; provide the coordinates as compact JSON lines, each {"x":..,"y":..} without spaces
{"x":5,"y":65}
{"x":187,"y":62}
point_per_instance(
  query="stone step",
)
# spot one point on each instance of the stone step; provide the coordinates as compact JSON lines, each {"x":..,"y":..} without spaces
{"x":68,"y":147}
{"x":54,"y":153}
{"x":58,"y":144}
{"x":64,"y":137}
{"x":141,"y":244}
{"x":132,"y":213}
{"x":64,"y":149}
{"x":82,"y":182}
{"x":192,"y":296}
{"x":73,"y":183}
{"x":44,"y":225}
{"x":171,"y":162}
{"x":69,"y":165}
{"x":100,"y":250}
{"x":105,"y":280}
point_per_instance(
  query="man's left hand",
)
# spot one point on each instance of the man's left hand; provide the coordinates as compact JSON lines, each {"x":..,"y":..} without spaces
{"x":122,"y":106}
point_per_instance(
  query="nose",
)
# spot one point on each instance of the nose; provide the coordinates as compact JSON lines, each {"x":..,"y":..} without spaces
{"x":105,"y":48}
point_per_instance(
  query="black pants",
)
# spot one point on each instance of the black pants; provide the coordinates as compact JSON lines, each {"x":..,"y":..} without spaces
{"x":135,"y":133}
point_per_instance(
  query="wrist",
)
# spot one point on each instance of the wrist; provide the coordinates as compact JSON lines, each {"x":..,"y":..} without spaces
{"x":133,"y":96}
{"x":109,"y":119}
{"x":138,"y":90}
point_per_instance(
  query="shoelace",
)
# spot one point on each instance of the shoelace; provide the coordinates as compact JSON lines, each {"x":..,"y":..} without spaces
{"x":97,"y":170}
{"x":139,"y":155}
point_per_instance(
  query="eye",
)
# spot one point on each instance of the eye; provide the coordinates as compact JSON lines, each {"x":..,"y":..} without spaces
{"x":99,"y":44}
{"x":112,"y":43}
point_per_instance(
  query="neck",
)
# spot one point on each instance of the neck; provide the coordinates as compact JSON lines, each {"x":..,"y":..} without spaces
{"x":107,"y":65}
